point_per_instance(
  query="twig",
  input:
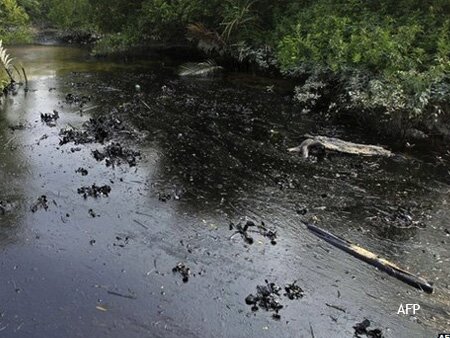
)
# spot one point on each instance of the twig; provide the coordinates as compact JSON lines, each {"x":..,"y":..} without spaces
{"x":142,"y":225}
{"x":143,"y":214}
{"x":335,"y":307}
{"x":312,"y":331}
{"x":145,"y":104}
{"x":121,"y":295}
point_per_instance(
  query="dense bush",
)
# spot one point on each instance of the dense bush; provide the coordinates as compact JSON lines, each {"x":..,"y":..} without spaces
{"x":13,"y":29}
{"x":70,"y":14}
{"x":403,"y":52}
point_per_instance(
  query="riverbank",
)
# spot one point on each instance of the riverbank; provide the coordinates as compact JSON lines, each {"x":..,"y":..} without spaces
{"x":324,"y":96}
{"x":336,"y":98}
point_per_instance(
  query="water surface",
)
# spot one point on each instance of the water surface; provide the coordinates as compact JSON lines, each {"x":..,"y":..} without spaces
{"x":214,"y":152}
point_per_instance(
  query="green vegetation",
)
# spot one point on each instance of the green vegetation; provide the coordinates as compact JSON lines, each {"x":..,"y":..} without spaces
{"x":393,"y":60}
{"x":385,"y":61}
{"x":5,"y":68}
{"x":8,"y":70}
{"x":69,"y":14}
{"x":13,"y":29}
{"x":13,"y":22}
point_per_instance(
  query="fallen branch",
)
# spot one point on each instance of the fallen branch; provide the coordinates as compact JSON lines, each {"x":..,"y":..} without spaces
{"x":335,"y":144}
{"x":372,"y":259}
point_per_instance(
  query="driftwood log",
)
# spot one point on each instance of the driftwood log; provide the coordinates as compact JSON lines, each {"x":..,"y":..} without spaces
{"x":335,"y":144}
{"x":372,"y":259}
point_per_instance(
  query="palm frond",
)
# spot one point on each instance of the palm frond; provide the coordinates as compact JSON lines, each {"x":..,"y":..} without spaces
{"x":6,"y":61}
{"x":205,"y":68}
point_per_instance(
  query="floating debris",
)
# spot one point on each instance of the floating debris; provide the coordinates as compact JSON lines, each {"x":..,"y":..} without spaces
{"x":115,"y":154}
{"x":293,"y":291}
{"x":270,"y":234}
{"x":101,"y":308}
{"x":73,"y":98}
{"x":43,"y":137}
{"x":362,"y":329}
{"x":97,"y":129}
{"x":267,"y":297}
{"x":118,"y":294}
{"x":402,"y":217}
{"x":244,"y":230}
{"x":164,"y":197}
{"x":82,"y":171}
{"x":103,"y":128}
{"x":41,"y":203}
{"x":121,"y":241}
{"x":75,"y":136}
{"x":50,"y":119}
{"x":183,"y":270}
{"x":372,"y":259}
{"x":94,"y":191}
{"x":338,"y":145}
{"x":336,"y":307}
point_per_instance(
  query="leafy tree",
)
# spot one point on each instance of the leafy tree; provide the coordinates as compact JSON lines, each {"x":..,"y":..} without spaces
{"x":13,"y":22}
{"x":70,"y":14}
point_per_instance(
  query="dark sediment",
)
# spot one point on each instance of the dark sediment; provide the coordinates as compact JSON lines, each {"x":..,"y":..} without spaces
{"x":361,"y":329}
{"x":41,"y":203}
{"x":94,"y":191}
{"x":183,"y":270}
{"x":115,"y":154}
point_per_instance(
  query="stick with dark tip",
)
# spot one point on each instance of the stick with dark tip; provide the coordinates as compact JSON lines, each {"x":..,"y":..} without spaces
{"x":372,"y":259}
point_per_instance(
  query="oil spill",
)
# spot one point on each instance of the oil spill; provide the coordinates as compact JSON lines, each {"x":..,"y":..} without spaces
{"x":362,"y":330}
{"x":183,"y":270}
{"x":214,"y":151}
{"x":249,"y":227}
{"x":82,"y":171}
{"x":41,"y":203}
{"x":50,"y":119}
{"x":94,"y":191}
{"x":114,"y":154}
